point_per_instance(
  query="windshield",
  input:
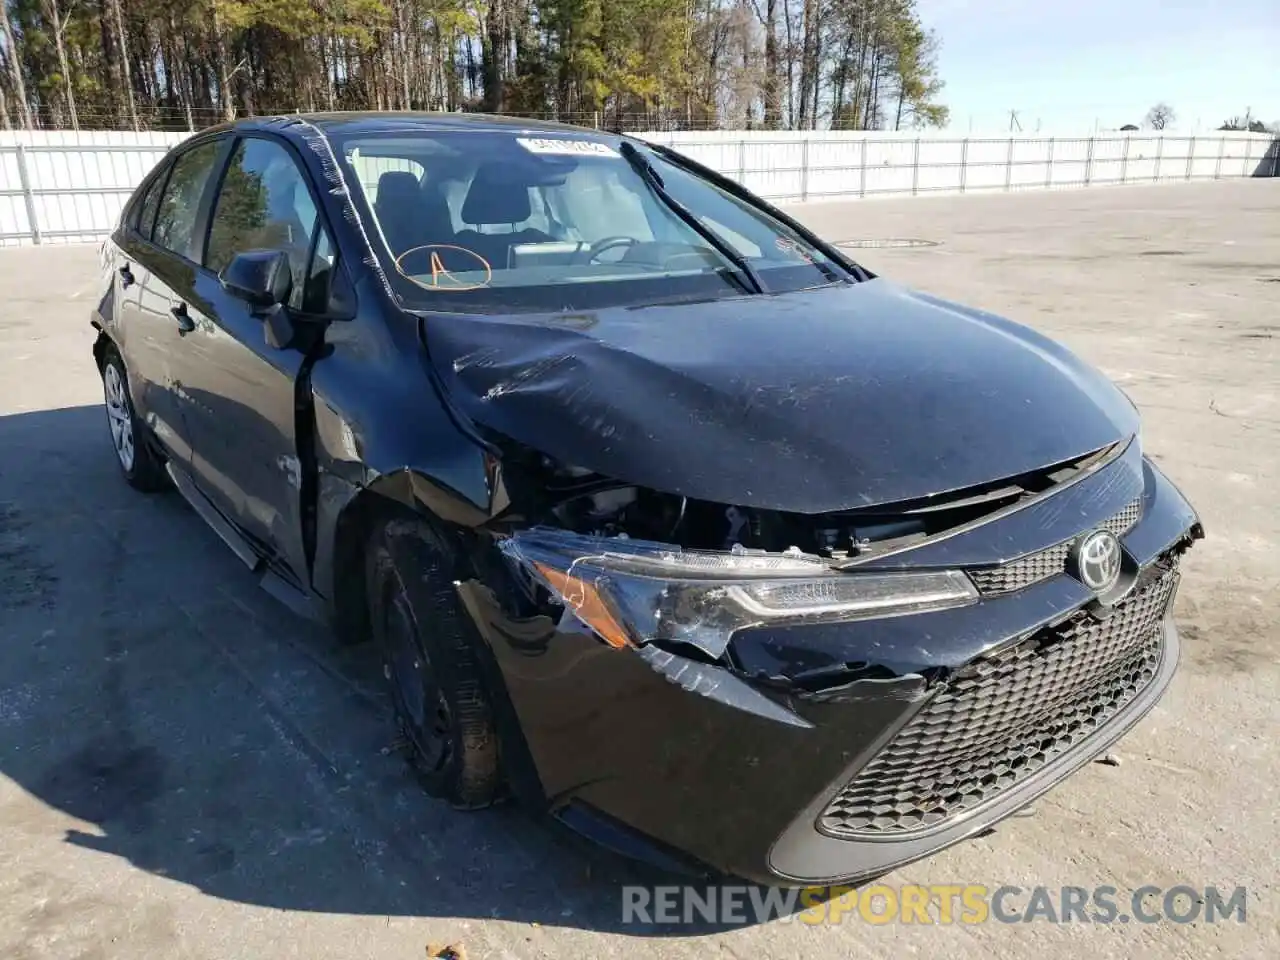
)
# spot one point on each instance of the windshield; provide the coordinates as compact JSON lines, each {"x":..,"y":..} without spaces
{"x":502,"y":222}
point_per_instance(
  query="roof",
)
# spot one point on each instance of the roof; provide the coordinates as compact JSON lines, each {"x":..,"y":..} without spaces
{"x":369,"y":121}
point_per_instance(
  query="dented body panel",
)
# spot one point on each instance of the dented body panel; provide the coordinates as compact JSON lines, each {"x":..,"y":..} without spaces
{"x":854,"y":429}
{"x":375,"y":434}
{"x":806,"y":402}
{"x":677,"y":767}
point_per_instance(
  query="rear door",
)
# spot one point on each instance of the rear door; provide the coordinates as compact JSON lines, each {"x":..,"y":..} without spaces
{"x":148,"y":372}
{"x":154,"y":270}
{"x":243,"y":390}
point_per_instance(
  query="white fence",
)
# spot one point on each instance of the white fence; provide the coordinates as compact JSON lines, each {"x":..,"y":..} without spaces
{"x":60,"y":187}
{"x":827,"y":165}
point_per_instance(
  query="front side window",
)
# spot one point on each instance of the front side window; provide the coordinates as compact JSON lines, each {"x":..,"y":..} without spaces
{"x":508,"y":221}
{"x":263,"y":204}
{"x":179,"y":203}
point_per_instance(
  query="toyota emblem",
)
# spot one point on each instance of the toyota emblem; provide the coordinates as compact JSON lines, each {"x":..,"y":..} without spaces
{"x":1097,"y":561}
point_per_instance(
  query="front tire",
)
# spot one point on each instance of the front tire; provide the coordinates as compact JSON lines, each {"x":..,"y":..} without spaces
{"x":430,"y":660}
{"x":142,"y":469}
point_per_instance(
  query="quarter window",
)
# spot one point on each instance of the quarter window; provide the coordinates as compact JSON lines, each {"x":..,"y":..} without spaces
{"x":180,"y":202}
{"x":264,"y":204}
{"x":314,"y":297}
{"x":144,"y":213}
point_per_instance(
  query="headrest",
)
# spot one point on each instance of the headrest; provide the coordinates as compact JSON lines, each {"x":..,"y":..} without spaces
{"x":398,"y":187}
{"x":496,"y":196}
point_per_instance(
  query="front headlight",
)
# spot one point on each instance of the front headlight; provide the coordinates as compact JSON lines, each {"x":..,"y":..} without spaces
{"x":631,"y":592}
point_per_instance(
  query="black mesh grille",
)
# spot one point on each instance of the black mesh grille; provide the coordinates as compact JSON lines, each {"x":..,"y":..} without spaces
{"x":1040,"y":566}
{"x":1004,"y":716}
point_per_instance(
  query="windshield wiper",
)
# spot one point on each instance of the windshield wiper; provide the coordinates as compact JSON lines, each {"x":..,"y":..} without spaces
{"x":641,"y":165}
{"x":735,"y":190}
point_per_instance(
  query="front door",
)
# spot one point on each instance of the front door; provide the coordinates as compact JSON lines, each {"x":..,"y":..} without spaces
{"x":242,"y":390}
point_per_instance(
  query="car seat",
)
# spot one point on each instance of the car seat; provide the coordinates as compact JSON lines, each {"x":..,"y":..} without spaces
{"x":497,"y":196}
{"x":410,"y":215}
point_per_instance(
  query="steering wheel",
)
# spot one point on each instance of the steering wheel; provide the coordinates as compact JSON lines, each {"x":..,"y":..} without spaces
{"x":608,"y":243}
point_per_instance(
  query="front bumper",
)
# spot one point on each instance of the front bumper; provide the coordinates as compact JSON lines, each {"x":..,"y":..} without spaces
{"x":710,"y":778}
{"x":807,"y":855}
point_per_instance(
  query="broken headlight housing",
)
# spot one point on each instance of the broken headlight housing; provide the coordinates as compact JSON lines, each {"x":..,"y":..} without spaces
{"x":632,"y":592}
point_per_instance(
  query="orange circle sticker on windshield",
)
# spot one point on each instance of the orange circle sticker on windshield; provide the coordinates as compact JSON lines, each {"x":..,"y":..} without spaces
{"x":443,"y":279}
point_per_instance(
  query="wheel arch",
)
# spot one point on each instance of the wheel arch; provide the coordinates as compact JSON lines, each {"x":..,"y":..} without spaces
{"x":351,"y":530}
{"x":101,"y":342}
{"x":409,"y":494}
{"x":406,"y":493}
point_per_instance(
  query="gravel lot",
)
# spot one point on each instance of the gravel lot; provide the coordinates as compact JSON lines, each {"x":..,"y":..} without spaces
{"x":188,"y":771}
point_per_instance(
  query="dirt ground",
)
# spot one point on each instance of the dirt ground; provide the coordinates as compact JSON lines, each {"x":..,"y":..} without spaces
{"x":186,"y":771}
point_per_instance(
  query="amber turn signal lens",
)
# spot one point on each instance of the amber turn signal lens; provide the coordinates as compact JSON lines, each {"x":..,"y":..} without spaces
{"x":587,"y":604}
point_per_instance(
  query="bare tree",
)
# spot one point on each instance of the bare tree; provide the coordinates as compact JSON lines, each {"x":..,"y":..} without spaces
{"x":1160,"y":116}
{"x":225,"y":71}
{"x":59,"y":22}
{"x":14,"y":58}
{"x":768,"y":18}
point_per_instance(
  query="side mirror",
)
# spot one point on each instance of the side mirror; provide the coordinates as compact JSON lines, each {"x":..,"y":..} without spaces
{"x":263,"y":278}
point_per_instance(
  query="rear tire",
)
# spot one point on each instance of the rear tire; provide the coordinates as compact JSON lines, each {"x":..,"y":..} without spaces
{"x":142,"y":469}
{"x":431,"y":662}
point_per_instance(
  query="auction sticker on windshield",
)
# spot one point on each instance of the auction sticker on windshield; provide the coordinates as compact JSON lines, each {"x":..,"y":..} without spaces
{"x":590,"y":148}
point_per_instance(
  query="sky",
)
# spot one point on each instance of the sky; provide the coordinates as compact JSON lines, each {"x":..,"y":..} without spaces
{"x":1068,"y":66}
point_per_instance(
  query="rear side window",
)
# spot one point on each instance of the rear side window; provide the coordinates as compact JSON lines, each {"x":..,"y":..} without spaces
{"x":144,"y":212}
{"x":264,"y":204}
{"x":180,"y":202}
{"x":370,"y":170}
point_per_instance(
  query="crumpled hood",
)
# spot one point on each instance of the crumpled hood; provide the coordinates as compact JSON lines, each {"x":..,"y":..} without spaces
{"x":807,"y":402}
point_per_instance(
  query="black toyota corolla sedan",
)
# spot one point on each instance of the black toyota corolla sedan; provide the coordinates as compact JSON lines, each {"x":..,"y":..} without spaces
{"x":665,"y":517}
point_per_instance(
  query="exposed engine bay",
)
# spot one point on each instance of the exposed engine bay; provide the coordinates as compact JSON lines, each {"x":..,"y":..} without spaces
{"x":584,"y":502}
{"x":686,"y":574}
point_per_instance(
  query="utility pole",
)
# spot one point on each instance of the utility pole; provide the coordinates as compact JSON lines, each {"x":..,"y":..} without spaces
{"x":1014,"y":121}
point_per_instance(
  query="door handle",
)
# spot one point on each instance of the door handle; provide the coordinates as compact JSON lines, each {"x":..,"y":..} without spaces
{"x":185,"y":323}
{"x":126,"y":276}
